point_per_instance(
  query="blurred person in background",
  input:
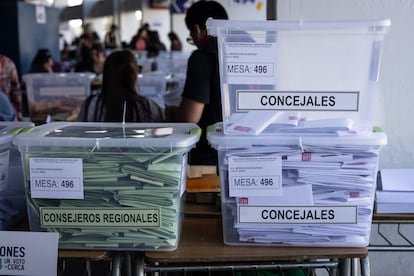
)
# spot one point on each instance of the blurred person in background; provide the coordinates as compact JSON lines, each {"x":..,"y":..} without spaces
{"x":155,"y":41}
{"x":119,"y":100}
{"x":175,"y":41}
{"x":111,"y":39}
{"x":201,"y":97}
{"x":89,"y":36}
{"x":10,"y":85}
{"x":43,"y":62}
{"x":140,"y":40}
{"x":92,"y":59}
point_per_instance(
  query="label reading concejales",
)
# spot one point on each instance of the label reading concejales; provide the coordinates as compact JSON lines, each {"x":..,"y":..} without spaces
{"x":297,"y":214}
{"x":297,"y":100}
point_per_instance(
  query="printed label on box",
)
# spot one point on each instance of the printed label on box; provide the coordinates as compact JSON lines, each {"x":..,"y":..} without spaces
{"x":255,"y":176}
{"x":249,"y":63}
{"x":98,"y":217}
{"x":68,"y":91}
{"x":297,"y":214}
{"x":59,"y":178}
{"x":4,"y":169}
{"x":297,"y":101}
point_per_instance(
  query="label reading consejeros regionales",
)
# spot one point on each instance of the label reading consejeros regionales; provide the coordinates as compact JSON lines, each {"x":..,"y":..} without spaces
{"x":98,"y":217}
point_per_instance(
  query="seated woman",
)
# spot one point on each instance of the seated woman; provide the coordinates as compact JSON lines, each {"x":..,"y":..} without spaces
{"x":119,"y":100}
{"x":43,"y":62}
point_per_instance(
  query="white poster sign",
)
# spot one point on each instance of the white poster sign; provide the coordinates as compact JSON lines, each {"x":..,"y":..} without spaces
{"x":28,"y":253}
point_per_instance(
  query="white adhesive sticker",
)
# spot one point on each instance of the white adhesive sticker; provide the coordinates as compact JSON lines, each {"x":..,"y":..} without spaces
{"x":249,"y":63}
{"x":255,"y":176}
{"x":60,"y":178}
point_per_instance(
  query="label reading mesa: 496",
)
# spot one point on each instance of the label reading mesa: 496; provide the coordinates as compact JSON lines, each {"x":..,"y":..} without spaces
{"x":255,"y":176}
{"x":56,"y":178}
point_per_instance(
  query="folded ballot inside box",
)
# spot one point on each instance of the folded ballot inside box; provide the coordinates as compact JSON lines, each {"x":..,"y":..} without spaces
{"x":322,"y":69}
{"x":107,"y":185}
{"x":12,"y":190}
{"x":292,"y":190}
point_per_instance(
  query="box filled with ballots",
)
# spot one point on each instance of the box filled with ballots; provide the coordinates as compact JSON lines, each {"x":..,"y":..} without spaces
{"x":320,"y":69}
{"x":12,"y":190}
{"x":107,"y":185}
{"x":292,"y":190}
{"x":59,"y":95}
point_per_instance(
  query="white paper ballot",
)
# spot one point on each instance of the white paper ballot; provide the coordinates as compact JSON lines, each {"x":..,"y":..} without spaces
{"x":397,"y":179}
{"x":253,"y":122}
{"x":289,"y":197}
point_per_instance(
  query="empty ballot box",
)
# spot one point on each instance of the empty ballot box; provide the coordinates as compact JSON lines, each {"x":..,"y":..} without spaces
{"x":58,"y":95}
{"x":12,"y":189}
{"x":293,"y":190}
{"x":318,"y":69}
{"x":107,"y":185}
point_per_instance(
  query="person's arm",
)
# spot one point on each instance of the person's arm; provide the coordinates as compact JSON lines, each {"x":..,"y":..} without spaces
{"x":188,"y":111}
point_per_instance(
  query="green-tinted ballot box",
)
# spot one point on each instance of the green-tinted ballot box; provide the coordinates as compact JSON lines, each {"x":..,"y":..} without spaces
{"x":107,"y":185}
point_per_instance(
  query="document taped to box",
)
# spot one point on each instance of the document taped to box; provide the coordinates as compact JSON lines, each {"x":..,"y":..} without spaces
{"x":255,"y":176}
{"x":249,"y":62}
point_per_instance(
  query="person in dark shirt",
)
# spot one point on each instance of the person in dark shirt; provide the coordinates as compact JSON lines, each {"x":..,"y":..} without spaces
{"x":201,"y":97}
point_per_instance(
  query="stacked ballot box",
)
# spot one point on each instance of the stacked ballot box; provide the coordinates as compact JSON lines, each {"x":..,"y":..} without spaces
{"x":12,"y":190}
{"x":314,"y":69}
{"x":153,"y":86}
{"x":297,"y":190}
{"x":107,"y":185}
{"x":58,"y":95}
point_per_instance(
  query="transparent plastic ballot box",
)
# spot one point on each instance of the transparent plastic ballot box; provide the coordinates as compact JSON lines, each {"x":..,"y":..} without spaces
{"x":58,"y":95}
{"x":317,"y":69}
{"x":107,"y":186}
{"x":153,"y":86}
{"x":12,"y":189}
{"x":292,"y":190}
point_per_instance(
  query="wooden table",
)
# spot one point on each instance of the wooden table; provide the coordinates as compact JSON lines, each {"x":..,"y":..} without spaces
{"x":201,"y":247}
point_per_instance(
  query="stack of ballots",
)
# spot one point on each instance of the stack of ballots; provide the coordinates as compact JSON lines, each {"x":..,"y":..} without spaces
{"x":298,"y":157}
{"x":395,"y":191}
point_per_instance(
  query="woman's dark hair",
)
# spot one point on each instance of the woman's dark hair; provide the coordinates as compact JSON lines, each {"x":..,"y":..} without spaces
{"x":119,"y":79}
{"x":42,"y":56}
{"x":200,"y":11}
